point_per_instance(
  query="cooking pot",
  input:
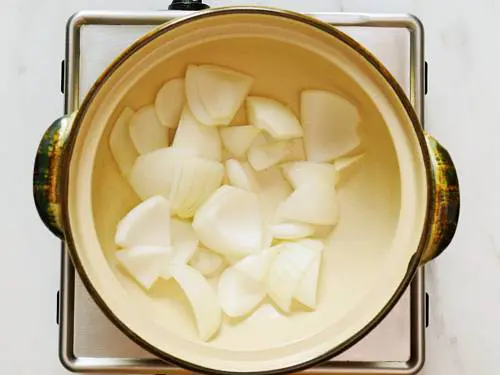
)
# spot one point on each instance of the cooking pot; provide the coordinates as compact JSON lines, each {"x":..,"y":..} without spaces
{"x":398,"y":212}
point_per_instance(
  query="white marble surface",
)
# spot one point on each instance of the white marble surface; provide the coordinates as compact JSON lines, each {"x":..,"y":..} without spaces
{"x":462,"y":112}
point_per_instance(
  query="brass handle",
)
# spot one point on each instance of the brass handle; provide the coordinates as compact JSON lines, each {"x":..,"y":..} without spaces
{"x":47,"y":171}
{"x":446,"y":200}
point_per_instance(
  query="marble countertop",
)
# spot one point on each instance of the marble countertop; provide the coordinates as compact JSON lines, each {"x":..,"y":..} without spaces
{"x":462,"y":112}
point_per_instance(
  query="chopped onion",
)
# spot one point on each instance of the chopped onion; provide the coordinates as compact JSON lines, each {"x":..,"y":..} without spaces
{"x":292,"y":231}
{"x":215,"y":94}
{"x":146,"y":131}
{"x":314,"y":203}
{"x":202,"y":298}
{"x":206,"y":262}
{"x":170,"y":101}
{"x":230,"y":222}
{"x":197,"y":139}
{"x":307,"y":288}
{"x":237,"y":139}
{"x":257,"y":266}
{"x":152,"y":172}
{"x":286,"y":273}
{"x":330,"y":125}
{"x":241,"y":175}
{"x":144,"y":263}
{"x":306,"y":172}
{"x":273,"y":117}
{"x":120,"y":143}
{"x":238,"y":294}
{"x":193,"y":181}
{"x":264,"y":156}
{"x":315,"y":244}
{"x":147,"y":224}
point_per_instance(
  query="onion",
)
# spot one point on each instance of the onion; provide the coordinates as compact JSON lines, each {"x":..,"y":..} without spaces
{"x":241,"y":175}
{"x":306,"y":172}
{"x":170,"y":101}
{"x":206,"y":262}
{"x":257,"y":266}
{"x":152,"y":172}
{"x":120,"y":144}
{"x":292,"y":231}
{"x":197,"y":139}
{"x":314,"y":203}
{"x":264,"y":155}
{"x":146,"y":131}
{"x":307,"y":288}
{"x":147,"y":224}
{"x":193,"y":181}
{"x":315,"y":244}
{"x":144,"y":263}
{"x":230,"y":222}
{"x":215,"y":94}
{"x":273,"y":117}
{"x":286,"y":273}
{"x":202,"y":298}
{"x":237,"y":139}
{"x":330,"y":125}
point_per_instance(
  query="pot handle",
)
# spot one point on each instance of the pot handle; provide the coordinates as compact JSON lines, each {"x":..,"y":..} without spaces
{"x":446,"y":200}
{"x":46,"y":173}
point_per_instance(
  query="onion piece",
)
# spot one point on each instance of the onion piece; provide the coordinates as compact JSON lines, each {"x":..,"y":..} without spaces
{"x":230,"y":222}
{"x":152,"y":172}
{"x":202,"y":298}
{"x":237,"y":139}
{"x":193,"y":181}
{"x":314,"y":203}
{"x":144,"y":263}
{"x":263,"y":156}
{"x":170,"y":101}
{"x":312,"y":243}
{"x":238,"y":294}
{"x":330,"y":125}
{"x":305,"y":172}
{"x":147,"y":224}
{"x":273,"y":117}
{"x":292,"y":231}
{"x":257,"y":266}
{"x":347,"y":166}
{"x":286,"y":273}
{"x":307,"y":288}
{"x":214,"y":93}
{"x":241,"y":176}
{"x":206,"y":262}
{"x":146,"y":131}
{"x":120,"y":143}
{"x":197,"y":139}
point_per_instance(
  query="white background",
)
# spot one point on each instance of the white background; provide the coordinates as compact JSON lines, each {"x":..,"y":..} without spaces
{"x":463,"y":112}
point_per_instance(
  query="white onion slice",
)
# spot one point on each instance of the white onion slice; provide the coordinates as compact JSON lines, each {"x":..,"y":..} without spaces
{"x":264,"y":156}
{"x":238,"y":294}
{"x":230,"y":222}
{"x":312,"y":243}
{"x":147,"y":224}
{"x":305,"y":172}
{"x":314,"y":203}
{"x":144,"y":263}
{"x":307,"y":288}
{"x":193,"y":181}
{"x":214,"y":93}
{"x":292,"y":231}
{"x":347,"y":166}
{"x":146,"y":131}
{"x":237,"y":139}
{"x":286,"y":273}
{"x":330,"y":125}
{"x":196,"y":138}
{"x":206,"y":262}
{"x":273,"y":117}
{"x":120,"y":143}
{"x":241,"y":175}
{"x":257,"y":266}
{"x":202,"y":298}
{"x":152,"y":173}
{"x":170,"y":101}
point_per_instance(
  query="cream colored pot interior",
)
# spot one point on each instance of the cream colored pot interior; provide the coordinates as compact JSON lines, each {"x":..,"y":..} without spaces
{"x":383,"y":207}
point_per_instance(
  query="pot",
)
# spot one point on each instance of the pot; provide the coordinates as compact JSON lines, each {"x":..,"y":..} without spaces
{"x":400,"y":211}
